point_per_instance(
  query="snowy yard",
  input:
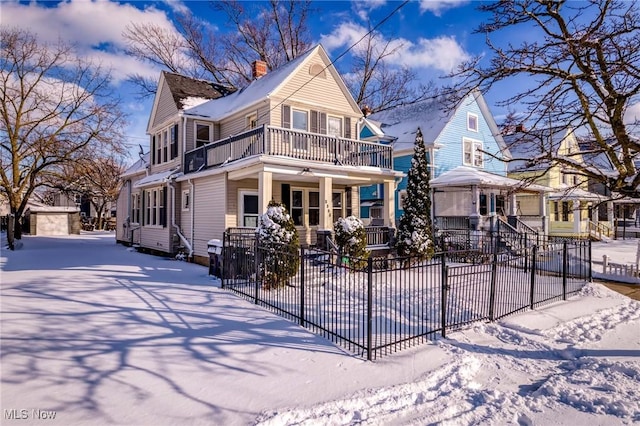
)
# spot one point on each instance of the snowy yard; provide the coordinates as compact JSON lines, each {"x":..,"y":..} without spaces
{"x":100,"y":334}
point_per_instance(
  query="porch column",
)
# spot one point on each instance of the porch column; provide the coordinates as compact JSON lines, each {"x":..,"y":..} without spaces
{"x":610,"y":211}
{"x":326,"y":203}
{"x":513,"y":204}
{"x":389,"y":208}
{"x":544,"y":202}
{"x":265,"y":190}
{"x":577,"y":217}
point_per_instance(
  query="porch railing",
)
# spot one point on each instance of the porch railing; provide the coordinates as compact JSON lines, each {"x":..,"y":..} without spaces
{"x":267,"y":140}
{"x":598,"y":230}
{"x":452,"y":222}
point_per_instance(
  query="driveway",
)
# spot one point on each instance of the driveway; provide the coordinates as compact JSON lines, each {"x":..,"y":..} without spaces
{"x":96,"y":333}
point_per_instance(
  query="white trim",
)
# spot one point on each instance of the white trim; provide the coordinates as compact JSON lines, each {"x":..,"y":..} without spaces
{"x":197,"y":123}
{"x":476,"y":145}
{"x":186,"y":195}
{"x":475,"y":116}
{"x":241,"y":215}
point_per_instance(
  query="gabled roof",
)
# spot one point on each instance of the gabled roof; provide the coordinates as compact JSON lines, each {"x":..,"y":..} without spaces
{"x":183,"y":87}
{"x":264,"y":87}
{"x":525,"y":147}
{"x":431,"y":116}
{"x":403,"y":122}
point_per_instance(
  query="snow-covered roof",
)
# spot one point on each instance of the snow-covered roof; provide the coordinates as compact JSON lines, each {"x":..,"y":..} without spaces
{"x":574,"y":193}
{"x":259,"y":89}
{"x":468,"y":176}
{"x":53,"y":209}
{"x":137,"y":167}
{"x":157,"y":178}
{"x":527,"y":147}
{"x":430,"y":116}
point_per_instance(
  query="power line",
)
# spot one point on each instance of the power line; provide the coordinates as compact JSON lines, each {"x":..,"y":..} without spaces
{"x":385,"y":19}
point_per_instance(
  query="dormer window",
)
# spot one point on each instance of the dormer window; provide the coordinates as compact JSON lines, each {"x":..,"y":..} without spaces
{"x":472,"y":122}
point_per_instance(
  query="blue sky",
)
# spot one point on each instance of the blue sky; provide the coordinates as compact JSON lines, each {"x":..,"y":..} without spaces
{"x":436,"y":35}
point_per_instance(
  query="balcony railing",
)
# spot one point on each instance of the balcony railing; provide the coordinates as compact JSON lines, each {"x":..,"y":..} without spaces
{"x":269,"y":140}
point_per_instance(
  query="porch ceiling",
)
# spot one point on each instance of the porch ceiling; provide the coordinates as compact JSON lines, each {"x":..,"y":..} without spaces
{"x":308,"y":171}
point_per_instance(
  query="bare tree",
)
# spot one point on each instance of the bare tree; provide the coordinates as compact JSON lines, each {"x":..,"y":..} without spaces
{"x":581,"y":71}
{"x":275,"y":32}
{"x":376,"y":86}
{"x":97,"y":179}
{"x":55,"y":109}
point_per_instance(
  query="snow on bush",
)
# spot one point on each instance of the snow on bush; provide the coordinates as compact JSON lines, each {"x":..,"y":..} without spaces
{"x":351,"y":238}
{"x":278,"y":246}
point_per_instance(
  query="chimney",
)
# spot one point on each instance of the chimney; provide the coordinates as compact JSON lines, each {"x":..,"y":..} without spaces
{"x":258,"y":69}
{"x":520,"y":128}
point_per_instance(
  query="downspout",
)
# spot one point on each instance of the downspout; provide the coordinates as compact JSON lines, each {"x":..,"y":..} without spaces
{"x":173,"y":219}
{"x":127,"y":221}
{"x":193,"y":210}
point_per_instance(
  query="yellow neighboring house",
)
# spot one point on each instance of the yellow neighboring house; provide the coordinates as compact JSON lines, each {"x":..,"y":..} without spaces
{"x":570,"y":210}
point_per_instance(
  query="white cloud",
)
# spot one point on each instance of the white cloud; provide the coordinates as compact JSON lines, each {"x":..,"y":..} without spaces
{"x":438,"y":6}
{"x":94,"y":27}
{"x":632,"y":114}
{"x":362,"y":8}
{"x":440,"y":53}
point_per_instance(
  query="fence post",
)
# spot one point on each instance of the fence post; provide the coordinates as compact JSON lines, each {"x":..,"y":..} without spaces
{"x":443,"y":296}
{"x":565,"y":259}
{"x":492,"y":295}
{"x":534,"y":253}
{"x":223,"y":255}
{"x":257,"y":267}
{"x":302,"y":258}
{"x":590,"y":272}
{"x":369,"y":306}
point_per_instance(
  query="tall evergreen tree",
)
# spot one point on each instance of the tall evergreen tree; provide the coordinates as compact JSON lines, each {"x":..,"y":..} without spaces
{"x":415,"y":232}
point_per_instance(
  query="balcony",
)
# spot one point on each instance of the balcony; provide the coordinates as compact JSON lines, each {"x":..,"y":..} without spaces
{"x":289,"y":143}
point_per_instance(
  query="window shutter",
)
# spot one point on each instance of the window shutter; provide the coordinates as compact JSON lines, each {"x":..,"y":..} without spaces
{"x":286,"y":196}
{"x":323,"y":123}
{"x":347,"y":127}
{"x":286,"y":116}
{"x":165,"y":209}
{"x":174,"y":142}
{"x":314,"y":122}
{"x":153,"y":149}
{"x":144,"y":212}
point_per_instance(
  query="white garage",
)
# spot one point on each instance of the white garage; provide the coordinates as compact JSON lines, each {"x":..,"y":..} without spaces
{"x":49,"y":220}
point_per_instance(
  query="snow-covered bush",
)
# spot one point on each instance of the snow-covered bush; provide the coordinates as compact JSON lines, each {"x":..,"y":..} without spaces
{"x":415,"y":231}
{"x":279,"y":244}
{"x":351,"y":238}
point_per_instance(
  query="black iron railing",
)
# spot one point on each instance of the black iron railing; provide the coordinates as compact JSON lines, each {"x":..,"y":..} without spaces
{"x":383,"y":305}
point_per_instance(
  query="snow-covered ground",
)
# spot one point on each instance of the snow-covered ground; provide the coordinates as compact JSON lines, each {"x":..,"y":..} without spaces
{"x":100,"y":334}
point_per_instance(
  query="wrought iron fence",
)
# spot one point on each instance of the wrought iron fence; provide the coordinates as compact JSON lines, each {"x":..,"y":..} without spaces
{"x":373,"y":307}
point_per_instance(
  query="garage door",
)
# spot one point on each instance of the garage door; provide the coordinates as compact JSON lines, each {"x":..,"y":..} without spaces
{"x":52,"y":224}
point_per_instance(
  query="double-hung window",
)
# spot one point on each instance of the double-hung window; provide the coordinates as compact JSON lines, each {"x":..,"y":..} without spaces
{"x":305,"y":207}
{"x":135,"y":208}
{"x":300,"y":121}
{"x":472,"y":122}
{"x":249,"y":209}
{"x":472,"y":153}
{"x":203,"y":134}
{"x":155,"y":213}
